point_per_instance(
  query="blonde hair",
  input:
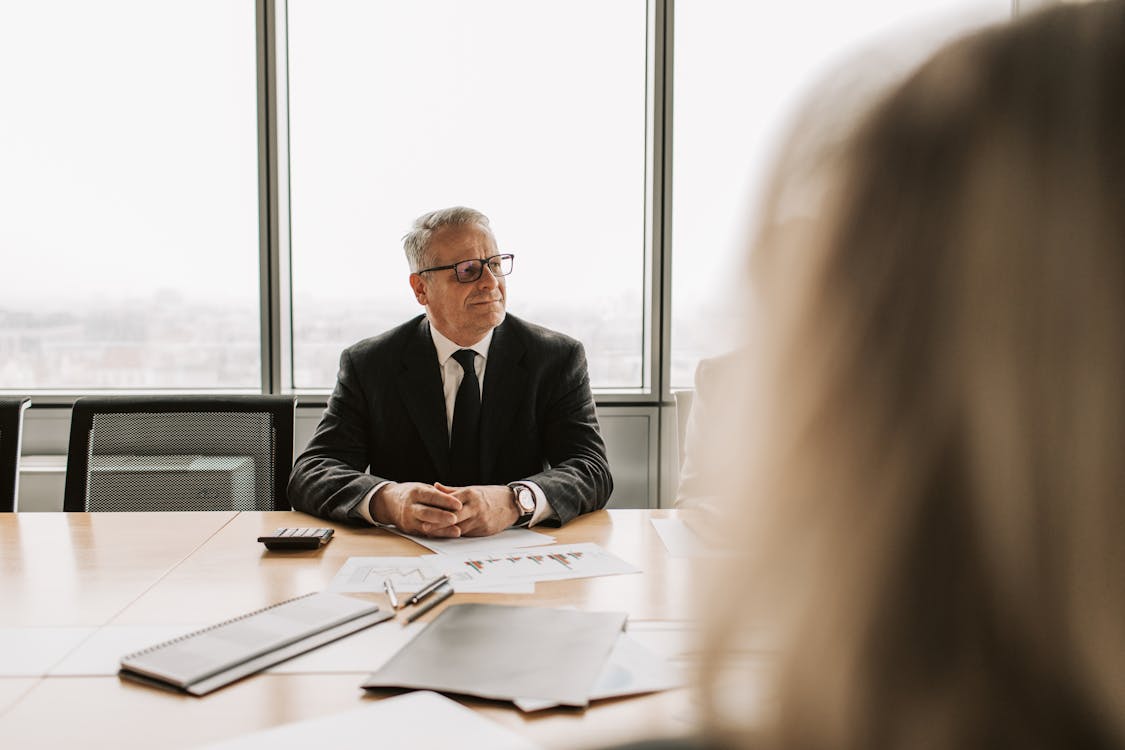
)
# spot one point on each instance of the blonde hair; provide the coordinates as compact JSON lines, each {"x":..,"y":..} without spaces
{"x":934,"y":527}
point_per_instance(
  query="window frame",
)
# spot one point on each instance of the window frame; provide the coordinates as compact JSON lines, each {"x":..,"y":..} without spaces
{"x":275,"y":287}
{"x":278,"y":362}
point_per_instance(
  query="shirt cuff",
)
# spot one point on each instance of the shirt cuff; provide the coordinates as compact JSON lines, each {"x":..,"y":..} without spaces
{"x":543,"y":509}
{"x":365,"y":503}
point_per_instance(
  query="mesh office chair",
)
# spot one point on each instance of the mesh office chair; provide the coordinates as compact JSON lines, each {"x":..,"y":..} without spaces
{"x":11,"y":430}
{"x":179,"y":453}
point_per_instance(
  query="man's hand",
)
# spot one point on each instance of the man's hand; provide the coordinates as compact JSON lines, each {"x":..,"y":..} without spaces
{"x":485,"y":509}
{"x":418,"y":508}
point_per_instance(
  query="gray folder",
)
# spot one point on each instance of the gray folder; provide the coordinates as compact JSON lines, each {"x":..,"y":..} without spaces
{"x":504,"y":653}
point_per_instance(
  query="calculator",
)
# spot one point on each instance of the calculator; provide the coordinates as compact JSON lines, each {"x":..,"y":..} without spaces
{"x":286,"y":539}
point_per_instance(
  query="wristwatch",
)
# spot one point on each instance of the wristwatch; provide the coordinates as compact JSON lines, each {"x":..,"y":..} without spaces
{"x":525,"y":504}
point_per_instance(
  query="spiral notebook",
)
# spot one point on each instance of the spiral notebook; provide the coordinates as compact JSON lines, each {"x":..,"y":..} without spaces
{"x":208,"y":659}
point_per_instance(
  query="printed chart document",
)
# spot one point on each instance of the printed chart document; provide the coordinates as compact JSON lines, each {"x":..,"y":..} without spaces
{"x":366,"y":574}
{"x":420,"y":720}
{"x":507,"y":539}
{"x":507,"y":653}
{"x":509,"y":571}
{"x":555,"y":563}
{"x":208,"y":659}
{"x":408,"y":574}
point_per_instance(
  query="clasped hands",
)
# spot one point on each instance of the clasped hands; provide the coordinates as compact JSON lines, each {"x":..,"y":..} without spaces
{"x":440,"y":511}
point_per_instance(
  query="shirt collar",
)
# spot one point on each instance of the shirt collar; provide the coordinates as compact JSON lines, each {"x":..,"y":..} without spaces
{"x":446,"y":348}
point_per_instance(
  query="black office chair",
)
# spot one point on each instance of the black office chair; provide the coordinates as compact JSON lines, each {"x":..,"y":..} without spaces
{"x":179,"y":453}
{"x":11,"y":431}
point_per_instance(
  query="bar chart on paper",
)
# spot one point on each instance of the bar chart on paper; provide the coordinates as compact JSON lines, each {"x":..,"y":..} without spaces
{"x":513,"y":571}
{"x":549,"y":562}
{"x":557,"y":562}
{"x":408,"y":574}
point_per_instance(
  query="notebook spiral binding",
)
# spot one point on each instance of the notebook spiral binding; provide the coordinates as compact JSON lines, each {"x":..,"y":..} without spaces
{"x":209,"y":628}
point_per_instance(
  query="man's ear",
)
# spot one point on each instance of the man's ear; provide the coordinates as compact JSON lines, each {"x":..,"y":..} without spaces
{"x":418,"y":284}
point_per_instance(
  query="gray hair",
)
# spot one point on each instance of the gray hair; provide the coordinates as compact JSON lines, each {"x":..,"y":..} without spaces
{"x":416,"y":242}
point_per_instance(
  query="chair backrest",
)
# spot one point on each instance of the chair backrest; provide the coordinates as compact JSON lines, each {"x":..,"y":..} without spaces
{"x":11,"y":432}
{"x":179,"y":453}
{"x":683,"y":413}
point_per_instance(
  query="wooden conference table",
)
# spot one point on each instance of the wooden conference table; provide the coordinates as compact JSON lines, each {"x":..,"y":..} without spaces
{"x":68,"y":577}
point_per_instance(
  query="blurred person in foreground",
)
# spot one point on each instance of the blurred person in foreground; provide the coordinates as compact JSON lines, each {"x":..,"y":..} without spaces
{"x":933,"y":514}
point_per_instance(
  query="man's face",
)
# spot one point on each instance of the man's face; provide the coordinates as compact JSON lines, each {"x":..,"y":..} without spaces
{"x":463,"y":312}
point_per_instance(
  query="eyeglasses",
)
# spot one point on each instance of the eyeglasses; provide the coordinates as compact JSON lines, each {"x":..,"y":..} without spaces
{"x":469,"y":271}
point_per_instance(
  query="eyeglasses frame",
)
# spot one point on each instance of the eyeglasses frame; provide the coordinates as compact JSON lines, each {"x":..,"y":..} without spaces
{"x":484,"y":263}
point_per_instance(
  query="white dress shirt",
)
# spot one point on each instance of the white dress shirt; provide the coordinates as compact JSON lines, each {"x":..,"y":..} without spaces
{"x":451,"y":375}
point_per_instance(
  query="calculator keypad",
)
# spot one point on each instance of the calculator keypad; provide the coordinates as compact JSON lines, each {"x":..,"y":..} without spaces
{"x":296,"y":538}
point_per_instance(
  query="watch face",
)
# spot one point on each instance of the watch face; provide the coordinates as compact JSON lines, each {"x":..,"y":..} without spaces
{"x":525,"y":500}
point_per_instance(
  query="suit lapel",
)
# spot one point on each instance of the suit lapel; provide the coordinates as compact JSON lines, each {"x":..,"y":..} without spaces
{"x":419,"y":384}
{"x":505,"y":387}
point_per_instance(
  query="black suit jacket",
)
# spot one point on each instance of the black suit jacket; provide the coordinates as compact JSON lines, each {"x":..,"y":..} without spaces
{"x":387,"y":414}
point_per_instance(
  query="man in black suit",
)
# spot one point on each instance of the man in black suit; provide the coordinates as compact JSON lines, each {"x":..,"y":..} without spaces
{"x":470,"y":420}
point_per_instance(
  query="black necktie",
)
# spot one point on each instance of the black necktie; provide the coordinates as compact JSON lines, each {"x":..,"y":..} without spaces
{"x":464,"y":439}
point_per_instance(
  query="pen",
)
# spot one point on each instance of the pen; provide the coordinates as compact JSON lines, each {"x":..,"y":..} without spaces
{"x":428,"y":589}
{"x":390,"y":589}
{"x":445,"y":592}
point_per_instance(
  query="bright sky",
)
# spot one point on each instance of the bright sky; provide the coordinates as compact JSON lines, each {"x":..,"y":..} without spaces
{"x":128,"y":142}
{"x":128,"y":149}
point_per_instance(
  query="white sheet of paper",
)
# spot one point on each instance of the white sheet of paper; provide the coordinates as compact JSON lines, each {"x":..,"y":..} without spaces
{"x":408,"y":574}
{"x":366,"y":574}
{"x":421,"y":720}
{"x":364,"y":651}
{"x":679,"y":540}
{"x":630,"y":669}
{"x":101,"y":653}
{"x":476,"y":545}
{"x":555,"y":563}
{"x":31,"y":652}
{"x":678,"y":640}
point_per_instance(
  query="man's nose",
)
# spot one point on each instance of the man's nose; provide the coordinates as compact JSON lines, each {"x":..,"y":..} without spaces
{"x":487,"y":278}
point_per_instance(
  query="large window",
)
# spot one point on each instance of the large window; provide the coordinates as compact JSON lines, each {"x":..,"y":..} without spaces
{"x":130,"y":172}
{"x":128,"y":195}
{"x":740,"y":69}
{"x":531,"y":112}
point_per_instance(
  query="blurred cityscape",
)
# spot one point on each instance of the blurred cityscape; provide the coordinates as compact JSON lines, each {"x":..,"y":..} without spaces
{"x":146,"y":343}
{"x":162,"y":342}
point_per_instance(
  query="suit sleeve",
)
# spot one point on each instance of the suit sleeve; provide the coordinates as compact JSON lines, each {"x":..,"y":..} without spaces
{"x":329,"y":478}
{"x":578,"y":480}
